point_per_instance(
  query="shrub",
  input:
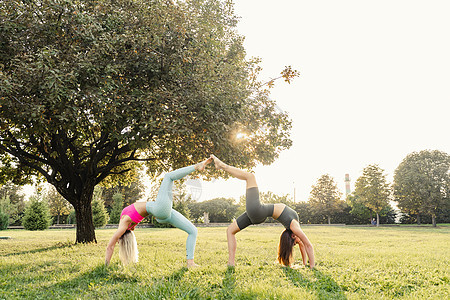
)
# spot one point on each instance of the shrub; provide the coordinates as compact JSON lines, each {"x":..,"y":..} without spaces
{"x":72,"y":218}
{"x":99,"y":214}
{"x":37,"y":215}
{"x":114,"y":217}
{"x":4,"y":220}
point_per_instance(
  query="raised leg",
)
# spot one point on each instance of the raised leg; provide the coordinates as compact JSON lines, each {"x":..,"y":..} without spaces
{"x":235,"y":172}
{"x":162,"y":205}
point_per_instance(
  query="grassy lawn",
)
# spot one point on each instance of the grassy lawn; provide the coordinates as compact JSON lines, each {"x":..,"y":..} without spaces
{"x":352,"y":263}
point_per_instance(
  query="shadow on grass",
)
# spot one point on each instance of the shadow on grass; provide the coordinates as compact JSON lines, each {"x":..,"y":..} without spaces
{"x":58,"y":245}
{"x":324,"y":286}
{"x":172,"y":287}
{"x":99,"y":275}
{"x":76,"y":287}
{"x":229,"y":283}
{"x":177,"y":275}
{"x":116,"y":282}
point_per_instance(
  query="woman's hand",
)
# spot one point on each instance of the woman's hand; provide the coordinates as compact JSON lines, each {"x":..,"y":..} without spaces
{"x":308,"y":247}
{"x":125,"y":221}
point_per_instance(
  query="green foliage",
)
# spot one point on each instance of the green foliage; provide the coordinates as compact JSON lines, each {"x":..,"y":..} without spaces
{"x":4,"y":220}
{"x":114,"y":215}
{"x":12,"y":202}
{"x":219,"y":210}
{"x":6,"y":208}
{"x":58,"y":205}
{"x":270,"y":197}
{"x":37,"y":215}
{"x":181,"y":198}
{"x":305,"y":213}
{"x":443,"y":217}
{"x":372,"y":189}
{"x":90,"y":88}
{"x":131,"y":187}
{"x":352,"y":263}
{"x":351,"y":212}
{"x":71,"y":219}
{"x":421,"y":183}
{"x":345,"y":217}
{"x":388,"y":215}
{"x":131,"y":192}
{"x":325,"y":197}
{"x":358,"y":208}
{"x":99,"y":214}
{"x":182,"y":207}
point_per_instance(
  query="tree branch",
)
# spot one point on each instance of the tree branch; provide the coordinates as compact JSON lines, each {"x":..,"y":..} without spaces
{"x":25,"y":162}
{"x":18,"y":151}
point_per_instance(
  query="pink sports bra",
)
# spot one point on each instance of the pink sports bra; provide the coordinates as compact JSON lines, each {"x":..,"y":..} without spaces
{"x":131,"y":211}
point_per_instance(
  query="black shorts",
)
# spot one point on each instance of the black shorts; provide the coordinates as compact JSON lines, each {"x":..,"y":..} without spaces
{"x":256,"y":212}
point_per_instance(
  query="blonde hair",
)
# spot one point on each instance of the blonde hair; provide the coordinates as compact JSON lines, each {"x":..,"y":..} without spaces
{"x":128,"y":252}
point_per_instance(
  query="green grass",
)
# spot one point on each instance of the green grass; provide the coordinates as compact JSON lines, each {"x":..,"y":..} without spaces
{"x":352,"y":263}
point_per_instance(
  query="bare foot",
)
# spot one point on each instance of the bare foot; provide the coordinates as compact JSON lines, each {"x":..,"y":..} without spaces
{"x":230,"y":263}
{"x":192,"y":264}
{"x":218,"y":163}
{"x":202,"y":165}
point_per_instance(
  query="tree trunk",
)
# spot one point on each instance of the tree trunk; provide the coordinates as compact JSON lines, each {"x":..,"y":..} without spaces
{"x":85,"y":224}
{"x":83,"y":212}
{"x":329,"y":220}
{"x":418,"y":219}
{"x":378,"y":220}
{"x":433,"y":220}
{"x":57,"y":220}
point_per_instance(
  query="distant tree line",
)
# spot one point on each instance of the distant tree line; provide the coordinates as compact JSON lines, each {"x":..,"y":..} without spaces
{"x":421,"y":190}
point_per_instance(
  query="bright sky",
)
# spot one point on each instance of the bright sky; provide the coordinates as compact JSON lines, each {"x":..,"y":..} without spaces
{"x":374,"y":86}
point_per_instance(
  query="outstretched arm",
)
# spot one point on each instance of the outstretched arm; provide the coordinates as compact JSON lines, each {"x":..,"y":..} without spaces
{"x":114,"y":239}
{"x":232,"y":245}
{"x":295,"y":227}
{"x":302,"y":251}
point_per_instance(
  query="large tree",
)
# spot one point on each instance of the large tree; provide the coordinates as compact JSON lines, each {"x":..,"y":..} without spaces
{"x":373,"y":190}
{"x":325,"y":197}
{"x":89,"y":88}
{"x":421,"y":183}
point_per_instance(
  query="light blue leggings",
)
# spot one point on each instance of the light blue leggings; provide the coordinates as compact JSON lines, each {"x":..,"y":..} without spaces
{"x":162,"y":210}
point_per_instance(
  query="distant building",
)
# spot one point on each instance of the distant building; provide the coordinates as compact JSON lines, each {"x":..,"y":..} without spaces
{"x":347,"y":185}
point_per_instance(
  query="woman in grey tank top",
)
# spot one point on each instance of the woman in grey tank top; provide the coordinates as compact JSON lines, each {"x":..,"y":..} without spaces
{"x":256,"y":213}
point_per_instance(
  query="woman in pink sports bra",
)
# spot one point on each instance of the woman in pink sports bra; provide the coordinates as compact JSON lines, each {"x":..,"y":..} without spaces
{"x":162,"y":210}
